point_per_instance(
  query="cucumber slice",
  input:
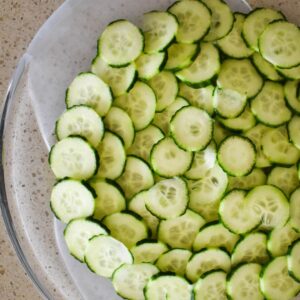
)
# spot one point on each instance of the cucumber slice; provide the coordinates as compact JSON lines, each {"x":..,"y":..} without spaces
{"x":255,"y":178}
{"x":191,"y":128}
{"x":251,"y":249}
{"x":109,"y":199}
{"x":168,"y":160}
{"x":73,"y":157}
{"x":293,"y":131}
{"x":147,"y":251}
{"x":233,"y":44}
{"x":148,"y":65}
{"x":236,"y":155}
{"x":203,"y":161}
{"x":174,"y":261}
{"x":292,"y":73}
{"x":222,"y":19}
{"x":144,"y":141}
{"x":180,"y":232}
{"x":105,"y":254}
{"x":241,"y":76}
{"x":113,"y":157}
{"x":255,"y":134}
{"x":205,"y":193}
{"x":77,"y":234}
{"x":205,"y":261}
{"x":229,"y":103}
{"x":137,"y":176}
{"x":279,"y":44}
{"x":236,"y":213}
{"x":294,"y":260}
{"x":205,"y":67}
{"x":88,"y":89}
{"x":266,"y":68}
{"x":269,"y":105}
{"x":181,"y":56}
{"x":215,"y":236}
{"x":290,"y":93}
{"x":162,"y":119}
{"x":129,"y":280}
{"x":280,"y":239}
{"x":256,"y":22}
{"x":211,"y":286}
{"x":277,"y":149}
{"x":295,"y":210}
{"x":118,"y":122}
{"x":168,"y":198}
{"x":194,"y":20}
{"x":83,"y":121}
{"x":199,"y":97}
{"x":270,"y":205}
{"x":165,"y":87}
{"x":220,"y":132}
{"x":159,"y":29}
{"x":275,"y":282}
{"x":138,"y":205}
{"x":121,"y":43}
{"x":284,"y":178}
{"x":139,"y":103}
{"x":244,"y":283}
{"x":167,"y":287}
{"x":126,"y":228}
{"x":70,"y":199}
{"x":120,"y":80}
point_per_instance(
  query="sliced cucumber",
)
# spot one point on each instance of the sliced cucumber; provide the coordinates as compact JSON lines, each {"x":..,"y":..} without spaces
{"x":205,"y":261}
{"x":294,"y":131}
{"x":244,"y":283}
{"x":294,"y":260}
{"x":105,"y":254}
{"x":109,"y":199}
{"x":220,"y":132}
{"x":269,"y":106}
{"x":233,"y":44}
{"x":180,"y":232}
{"x":199,"y":97}
{"x":277,"y":149}
{"x":290,"y":93}
{"x":203,"y":69}
{"x":121,"y":43}
{"x":137,"y":176}
{"x":165,"y":87}
{"x":73,"y":157}
{"x":181,"y":55}
{"x":147,"y":251}
{"x":113,"y":156}
{"x":292,"y":73}
{"x":211,"y":286}
{"x":194,"y":20}
{"x":275,"y":282}
{"x":159,"y":29}
{"x":139,"y":103}
{"x":295,"y":210}
{"x":168,"y":198}
{"x":205,"y":193}
{"x":215,"y":236}
{"x":241,"y":76}
{"x":279,"y":44}
{"x":168,"y":160}
{"x":83,"y":121}
{"x":77,"y":234}
{"x":129,"y":280}
{"x":269,"y":205}
{"x":126,"y":228}
{"x":251,"y":249}
{"x":191,"y":128}
{"x":120,"y":80}
{"x":174,"y":261}
{"x":222,"y":19}
{"x":118,"y":122}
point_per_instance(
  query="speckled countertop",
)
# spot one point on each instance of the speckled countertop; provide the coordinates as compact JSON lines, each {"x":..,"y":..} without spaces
{"x":19,"y":20}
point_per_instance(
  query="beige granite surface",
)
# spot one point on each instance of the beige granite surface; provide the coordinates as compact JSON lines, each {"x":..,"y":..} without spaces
{"x":19,"y":20}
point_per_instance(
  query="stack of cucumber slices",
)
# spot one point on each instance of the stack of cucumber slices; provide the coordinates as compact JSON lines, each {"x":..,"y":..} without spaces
{"x":176,"y":160}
